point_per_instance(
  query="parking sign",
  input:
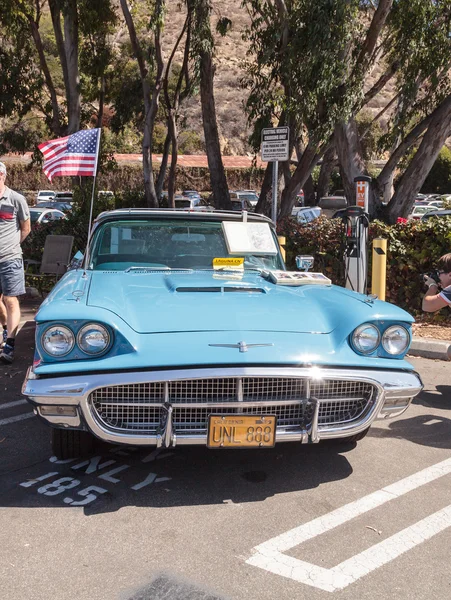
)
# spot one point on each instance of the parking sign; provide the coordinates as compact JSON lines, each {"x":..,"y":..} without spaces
{"x":275,"y":142}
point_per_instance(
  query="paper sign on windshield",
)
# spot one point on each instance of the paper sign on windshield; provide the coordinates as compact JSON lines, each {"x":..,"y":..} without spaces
{"x":249,"y":238}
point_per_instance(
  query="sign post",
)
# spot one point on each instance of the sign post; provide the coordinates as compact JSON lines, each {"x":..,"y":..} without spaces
{"x":275,"y":147}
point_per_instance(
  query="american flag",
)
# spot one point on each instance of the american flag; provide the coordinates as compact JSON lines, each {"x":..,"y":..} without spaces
{"x":74,"y":154}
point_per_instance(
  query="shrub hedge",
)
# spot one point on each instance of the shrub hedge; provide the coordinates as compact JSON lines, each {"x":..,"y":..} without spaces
{"x":413,"y":249}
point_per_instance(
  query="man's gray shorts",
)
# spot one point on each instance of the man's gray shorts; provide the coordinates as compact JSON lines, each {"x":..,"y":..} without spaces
{"x":12,"y":277}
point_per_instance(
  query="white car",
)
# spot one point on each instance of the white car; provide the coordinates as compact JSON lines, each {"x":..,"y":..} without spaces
{"x":41,"y":215}
{"x":419,"y":211}
{"x":436,"y":203}
{"x":45,"y":196}
{"x":308,"y":213}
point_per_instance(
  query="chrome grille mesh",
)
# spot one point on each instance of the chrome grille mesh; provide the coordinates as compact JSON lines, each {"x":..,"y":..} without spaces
{"x":138,"y":408}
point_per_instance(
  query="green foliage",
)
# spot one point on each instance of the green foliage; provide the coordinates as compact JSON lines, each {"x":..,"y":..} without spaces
{"x":420,"y":43}
{"x":413,"y":249}
{"x":190,"y":142}
{"x":439,"y":179}
{"x":297,"y":63}
{"x":369,"y":133}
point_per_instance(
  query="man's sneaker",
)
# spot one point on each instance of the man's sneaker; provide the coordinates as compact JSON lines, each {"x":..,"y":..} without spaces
{"x":7,"y":354}
{"x":3,"y":338}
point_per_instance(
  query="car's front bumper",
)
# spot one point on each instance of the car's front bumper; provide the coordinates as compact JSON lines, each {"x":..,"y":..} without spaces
{"x":67,"y":401}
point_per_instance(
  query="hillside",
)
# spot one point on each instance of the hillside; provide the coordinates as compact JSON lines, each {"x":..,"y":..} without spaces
{"x":230,"y":97}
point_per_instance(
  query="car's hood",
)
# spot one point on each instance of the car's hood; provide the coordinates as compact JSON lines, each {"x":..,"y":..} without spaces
{"x":207,"y":301}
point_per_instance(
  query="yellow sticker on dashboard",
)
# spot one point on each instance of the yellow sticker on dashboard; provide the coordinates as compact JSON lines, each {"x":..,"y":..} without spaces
{"x":229,"y":262}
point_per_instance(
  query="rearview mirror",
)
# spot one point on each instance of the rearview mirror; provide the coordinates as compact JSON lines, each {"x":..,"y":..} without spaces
{"x":304,"y":262}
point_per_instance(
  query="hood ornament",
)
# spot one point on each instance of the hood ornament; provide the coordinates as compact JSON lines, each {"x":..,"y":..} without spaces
{"x":242,"y":346}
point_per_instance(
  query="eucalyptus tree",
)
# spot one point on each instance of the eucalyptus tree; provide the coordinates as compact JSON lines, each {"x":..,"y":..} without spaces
{"x":203,"y":52}
{"x":54,"y":54}
{"x":311,"y":59}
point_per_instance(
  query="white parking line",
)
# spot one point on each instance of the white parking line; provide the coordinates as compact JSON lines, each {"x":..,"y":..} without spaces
{"x":15,"y":419}
{"x":269,"y":555}
{"x":11,"y":404}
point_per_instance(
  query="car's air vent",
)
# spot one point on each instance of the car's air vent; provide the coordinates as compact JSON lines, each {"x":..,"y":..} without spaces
{"x":221,"y":289}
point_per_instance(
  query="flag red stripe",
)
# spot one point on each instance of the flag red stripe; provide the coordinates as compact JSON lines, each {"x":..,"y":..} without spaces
{"x":50,"y":154}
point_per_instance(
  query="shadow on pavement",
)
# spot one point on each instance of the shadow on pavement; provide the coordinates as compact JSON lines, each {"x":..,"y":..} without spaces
{"x":439,"y":398}
{"x":426,"y":430}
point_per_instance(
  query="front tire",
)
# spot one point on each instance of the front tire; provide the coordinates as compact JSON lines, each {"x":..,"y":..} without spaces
{"x":71,"y":443}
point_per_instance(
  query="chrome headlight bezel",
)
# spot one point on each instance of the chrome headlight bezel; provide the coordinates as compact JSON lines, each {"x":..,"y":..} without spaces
{"x":64,"y":329}
{"x":384,"y":340}
{"x":357,"y":331}
{"x":84,"y":330}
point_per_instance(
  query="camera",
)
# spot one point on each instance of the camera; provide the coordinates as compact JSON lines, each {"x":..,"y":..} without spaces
{"x":433,"y":275}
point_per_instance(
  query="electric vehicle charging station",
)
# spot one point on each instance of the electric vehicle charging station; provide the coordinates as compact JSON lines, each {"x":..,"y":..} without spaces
{"x":356,"y":231}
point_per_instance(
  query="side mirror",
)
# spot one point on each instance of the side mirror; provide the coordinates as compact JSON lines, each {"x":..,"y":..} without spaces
{"x":76,"y":262}
{"x":304,"y":262}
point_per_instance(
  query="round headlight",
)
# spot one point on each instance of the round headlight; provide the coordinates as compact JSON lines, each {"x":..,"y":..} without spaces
{"x":58,"y":340}
{"x":366,"y":338}
{"x":93,"y":338}
{"x":395,"y":339}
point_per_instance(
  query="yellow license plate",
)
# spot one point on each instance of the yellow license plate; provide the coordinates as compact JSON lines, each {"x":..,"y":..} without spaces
{"x":236,"y":431}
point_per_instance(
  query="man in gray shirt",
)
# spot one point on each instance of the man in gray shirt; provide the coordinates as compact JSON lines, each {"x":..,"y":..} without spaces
{"x":14,"y":228}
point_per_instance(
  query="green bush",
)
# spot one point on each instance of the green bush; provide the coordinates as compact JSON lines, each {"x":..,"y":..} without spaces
{"x":413,"y":249}
{"x":438,"y":180}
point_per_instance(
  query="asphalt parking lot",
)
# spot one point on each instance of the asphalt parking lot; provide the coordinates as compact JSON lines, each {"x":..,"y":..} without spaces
{"x":330,"y":520}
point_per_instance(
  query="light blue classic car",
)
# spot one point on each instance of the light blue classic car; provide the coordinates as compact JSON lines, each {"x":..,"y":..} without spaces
{"x":164,"y":337}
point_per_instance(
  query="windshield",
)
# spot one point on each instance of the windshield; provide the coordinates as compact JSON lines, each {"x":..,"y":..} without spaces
{"x":164,"y":243}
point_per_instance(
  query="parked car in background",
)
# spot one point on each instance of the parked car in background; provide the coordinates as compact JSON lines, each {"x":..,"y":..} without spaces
{"x":241,"y":204}
{"x":306,"y":214}
{"x":225,"y":357}
{"x":299,"y":203}
{"x":44,"y":195}
{"x":436,"y":203}
{"x":42,"y":215}
{"x":191,"y":194}
{"x":436,"y":214}
{"x":62,"y":206}
{"x":250,"y":196}
{"x":186,"y":202}
{"x":419,"y":211}
{"x":64,"y":197}
{"x":331,"y":204}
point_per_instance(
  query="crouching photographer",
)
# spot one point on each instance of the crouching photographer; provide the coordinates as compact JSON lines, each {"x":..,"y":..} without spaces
{"x":438,"y":282}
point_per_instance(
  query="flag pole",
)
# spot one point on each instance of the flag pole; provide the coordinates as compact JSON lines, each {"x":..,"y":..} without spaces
{"x":92,"y":198}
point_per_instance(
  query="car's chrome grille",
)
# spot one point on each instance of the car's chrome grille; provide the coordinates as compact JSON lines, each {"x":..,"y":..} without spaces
{"x":139,"y":408}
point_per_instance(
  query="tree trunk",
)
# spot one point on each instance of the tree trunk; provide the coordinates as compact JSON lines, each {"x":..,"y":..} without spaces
{"x":218,"y":179}
{"x":71,"y":51}
{"x":264,"y":201}
{"x":55,"y":122}
{"x":101,"y":101}
{"x":163,"y":167}
{"x":150,"y":99}
{"x":309,"y":192}
{"x":351,"y":162}
{"x":412,"y":180}
{"x":172,"y":130}
{"x":303,"y":170}
{"x":327,"y":166}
